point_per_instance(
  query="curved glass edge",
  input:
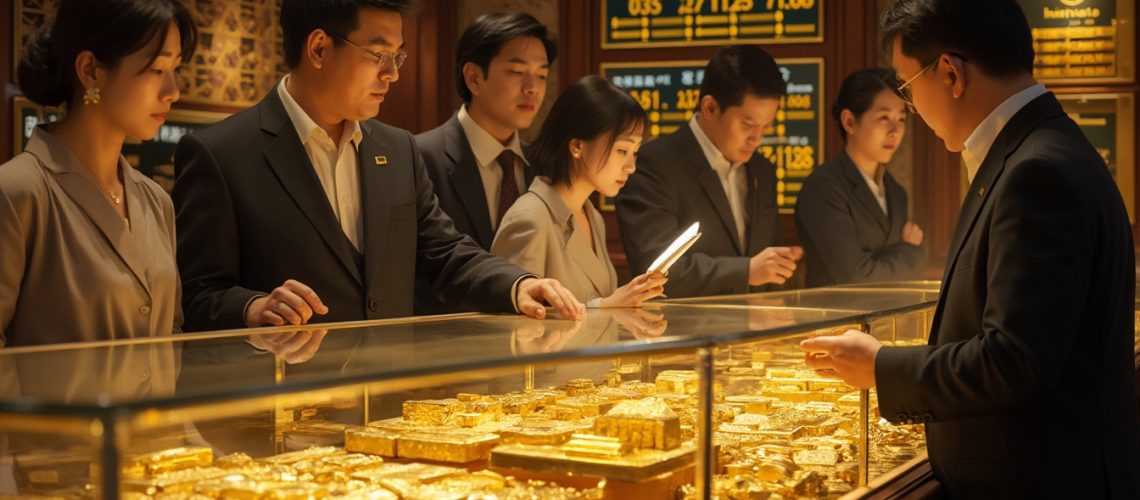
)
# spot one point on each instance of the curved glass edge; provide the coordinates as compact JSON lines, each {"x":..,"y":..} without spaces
{"x":665,"y":344}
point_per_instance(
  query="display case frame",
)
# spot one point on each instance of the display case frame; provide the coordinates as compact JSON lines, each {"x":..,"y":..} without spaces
{"x":117,"y":420}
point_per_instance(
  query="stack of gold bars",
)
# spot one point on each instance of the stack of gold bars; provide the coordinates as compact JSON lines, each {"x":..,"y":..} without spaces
{"x":779,"y":430}
{"x":321,"y":472}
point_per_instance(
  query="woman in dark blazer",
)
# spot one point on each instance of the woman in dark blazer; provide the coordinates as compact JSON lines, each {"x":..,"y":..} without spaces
{"x":851,"y":213}
{"x":88,"y":241}
{"x":587,"y":144}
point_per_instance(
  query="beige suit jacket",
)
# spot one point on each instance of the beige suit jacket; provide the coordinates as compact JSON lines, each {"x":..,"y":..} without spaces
{"x":538,"y":234}
{"x":71,"y":269}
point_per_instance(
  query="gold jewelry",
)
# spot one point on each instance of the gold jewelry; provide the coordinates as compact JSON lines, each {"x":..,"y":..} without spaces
{"x":118,"y":200}
{"x":91,"y":96}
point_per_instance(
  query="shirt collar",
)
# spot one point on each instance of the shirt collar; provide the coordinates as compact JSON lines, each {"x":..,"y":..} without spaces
{"x":483,"y":144}
{"x":307,"y":129}
{"x":980,"y":141}
{"x":715,"y":158}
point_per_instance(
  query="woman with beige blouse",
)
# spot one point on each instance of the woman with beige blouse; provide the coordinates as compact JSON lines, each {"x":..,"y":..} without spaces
{"x":88,"y":241}
{"x":587,"y":144}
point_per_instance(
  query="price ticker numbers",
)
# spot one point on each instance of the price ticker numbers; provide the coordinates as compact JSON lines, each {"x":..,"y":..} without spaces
{"x":1082,"y":40}
{"x":662,"y":23}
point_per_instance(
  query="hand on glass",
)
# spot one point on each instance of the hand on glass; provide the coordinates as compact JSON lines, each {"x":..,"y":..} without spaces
{"x":773,"y":265}
{"x":637,"y":291}
{"x":849,"y":357}
{"x":544,"y":336}
{"x":291,"y":347}
{"x":641,"y":323}
{"x":292,"y":303}
{"x":535,"y":294}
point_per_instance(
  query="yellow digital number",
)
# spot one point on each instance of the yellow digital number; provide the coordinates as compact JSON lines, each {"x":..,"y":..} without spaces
{"x":688,"y":98}
{"x":688,"y":7}
{"x":797,"y":101}
{"x":645,"y":7}
{"x":648,"y":99}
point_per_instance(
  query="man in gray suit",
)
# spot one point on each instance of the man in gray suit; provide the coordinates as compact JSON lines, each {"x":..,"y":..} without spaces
{"x":475,"y":159}
{"x":734,"y":193}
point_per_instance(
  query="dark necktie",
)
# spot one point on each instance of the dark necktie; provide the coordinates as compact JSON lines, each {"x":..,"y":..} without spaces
{"x":508,"y":188}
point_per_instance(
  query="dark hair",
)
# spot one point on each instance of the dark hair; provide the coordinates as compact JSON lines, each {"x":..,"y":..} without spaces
{"x":485,"y":37}
{"x":858,"y":93}
{"x":993,"y":34}
{"x":592,"y":106}
{"x":742,"y":69}
{"x":299,"y":18}
{"x":110,"y":29}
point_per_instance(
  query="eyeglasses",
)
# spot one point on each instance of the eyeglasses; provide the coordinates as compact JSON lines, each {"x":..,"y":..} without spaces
{"x":904,"y":90}
{"x":383,"y":59}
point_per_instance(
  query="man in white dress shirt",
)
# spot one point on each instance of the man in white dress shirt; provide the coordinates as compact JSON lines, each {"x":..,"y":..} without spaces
{"x":476,"y":159}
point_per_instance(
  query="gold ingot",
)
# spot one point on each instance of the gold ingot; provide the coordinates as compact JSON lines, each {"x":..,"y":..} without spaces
{"x":468,"y":420}
{"x":416,"y":471}
{"x":590,"y":445}
{"x":171,"y":460}
{"x":452,"y":447}
{"x":643,"y":388}
{"x":494,"y":409}
{"x":660,"y":433}
{"x":182,"y":481}
{"x":817,"y":457}
{"x":563,"y":413}
{"x":521,"y":404}
{"x":580,"y":386}
{"x":371,"y":441}
{"x":292,"y":457}
{"x":751,"y":421}
{"x":233,"y":461}
{"x":588,"y":406}
{"x":678,"y":381}
{"x":550,"y":433}
{"x":430,"y":411}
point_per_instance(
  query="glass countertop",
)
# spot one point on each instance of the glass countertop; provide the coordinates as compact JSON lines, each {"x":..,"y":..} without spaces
{"x":93,"y":378}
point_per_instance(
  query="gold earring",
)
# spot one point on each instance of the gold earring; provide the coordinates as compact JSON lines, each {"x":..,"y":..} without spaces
{"x":91,"y":96}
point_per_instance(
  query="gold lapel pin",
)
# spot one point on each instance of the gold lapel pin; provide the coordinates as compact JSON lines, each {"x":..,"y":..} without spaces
{"x":381,"y":161}
{"x":981,"y":192}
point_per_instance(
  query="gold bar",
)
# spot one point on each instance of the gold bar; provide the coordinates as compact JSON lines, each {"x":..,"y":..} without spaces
{"x":677,"y":381}
{"x":589,"y":445}
{"x":182,"y":481}
{"x":416,"y":472}
{"x":174,"y":459}
{"x":646,"y":423}
{"x":293,"y":457}
{"x":580,"y":386}
{"x":430,"y":411}
{"x":817,"y":457}
{"x":371,"y":441}
{"x":233,"y":461}
{"x":452,"y":447}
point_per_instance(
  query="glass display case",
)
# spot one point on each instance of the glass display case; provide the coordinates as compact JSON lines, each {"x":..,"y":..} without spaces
{"x":689,"y":398}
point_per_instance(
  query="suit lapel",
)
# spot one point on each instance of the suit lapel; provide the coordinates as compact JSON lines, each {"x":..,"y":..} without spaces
{"x":896,"y":210}
{"x":467,"y":182}
{"x":709,"y":181}
{"x":290,"y":162}
{"x":575,"y":244}
{"x":81,"y":186}
{"x":376,"y":196}
{"x":1007,"y":141}
{"x":586,"y":257}
{"x":862,"y":192}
